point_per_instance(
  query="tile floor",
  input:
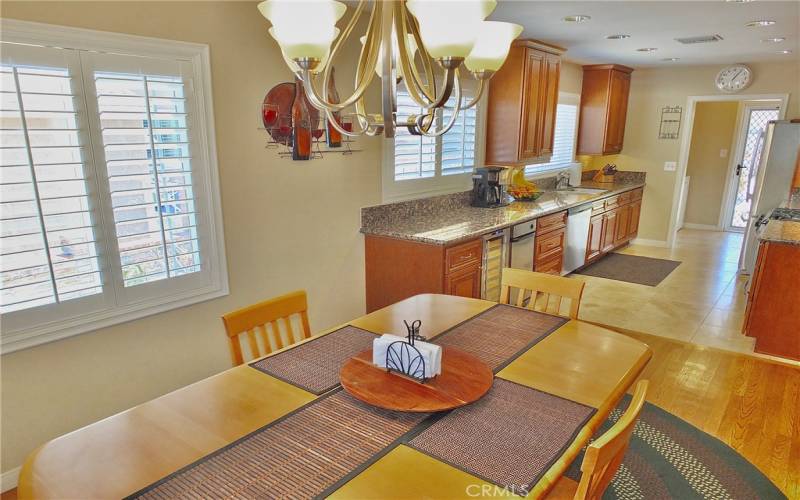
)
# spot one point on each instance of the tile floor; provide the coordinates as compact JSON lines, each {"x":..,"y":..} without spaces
{"x":702,"y":301}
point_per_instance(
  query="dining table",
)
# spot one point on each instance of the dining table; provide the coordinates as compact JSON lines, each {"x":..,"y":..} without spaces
{"x":125,"y":453}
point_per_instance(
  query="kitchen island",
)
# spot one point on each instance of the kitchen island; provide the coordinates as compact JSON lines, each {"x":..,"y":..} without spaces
{"x":444,"y":245}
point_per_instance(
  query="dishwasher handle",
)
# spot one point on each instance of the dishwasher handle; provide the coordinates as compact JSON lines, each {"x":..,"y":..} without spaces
{"x":523,"y":237}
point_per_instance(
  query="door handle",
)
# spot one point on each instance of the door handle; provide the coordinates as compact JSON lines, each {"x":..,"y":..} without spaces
{"x":739,"y":169}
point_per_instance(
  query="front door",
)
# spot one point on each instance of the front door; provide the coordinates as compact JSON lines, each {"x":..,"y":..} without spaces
{"x":749,"y":148}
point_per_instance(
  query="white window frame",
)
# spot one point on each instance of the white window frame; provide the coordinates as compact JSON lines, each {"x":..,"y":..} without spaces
{"x":197,"y":55}
{"x":540,"y":170}
{"x":408,"y":189}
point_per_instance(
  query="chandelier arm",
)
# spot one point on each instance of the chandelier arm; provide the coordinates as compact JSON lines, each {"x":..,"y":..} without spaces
{"x":338,"y":44}
{"x":362,"y":120}
{"x":369,"y":57}
{"x":427,"y":66}
{"x":450,"y":122}
{"x":478,"y":95}
{"x":366,"y":65}
{"x":418,"y":92}
{"x":450,"y":81}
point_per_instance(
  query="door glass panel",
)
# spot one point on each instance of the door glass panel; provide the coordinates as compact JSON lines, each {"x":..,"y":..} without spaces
{"x":747,"y":170}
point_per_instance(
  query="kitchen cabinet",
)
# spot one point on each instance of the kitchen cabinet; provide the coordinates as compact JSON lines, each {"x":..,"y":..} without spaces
{"x":772,"y":314}
{"x":614,"y":222}
{"x":397,"y":269}
{"x":604,"y":108}
{"x":548,"y":255}
{"x":521,"y":110}
{"x":594,"y":245}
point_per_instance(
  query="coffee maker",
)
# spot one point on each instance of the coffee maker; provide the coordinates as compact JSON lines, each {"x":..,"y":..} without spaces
{"x":487,"y":190}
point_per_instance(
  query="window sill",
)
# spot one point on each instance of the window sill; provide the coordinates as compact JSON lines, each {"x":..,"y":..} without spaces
{"x":548,"y":171}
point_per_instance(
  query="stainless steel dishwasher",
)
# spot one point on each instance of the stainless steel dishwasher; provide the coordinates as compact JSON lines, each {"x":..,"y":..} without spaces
{"x":578,"y":219}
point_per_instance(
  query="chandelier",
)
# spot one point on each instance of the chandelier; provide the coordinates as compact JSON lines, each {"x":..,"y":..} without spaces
{"x":404,"y":41}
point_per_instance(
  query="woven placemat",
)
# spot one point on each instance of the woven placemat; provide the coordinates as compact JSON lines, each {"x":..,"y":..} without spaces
{"x":298,"y":456}
{"x":500,"y":334}
{"x":314,"y":366}
{"x":509,"y":437}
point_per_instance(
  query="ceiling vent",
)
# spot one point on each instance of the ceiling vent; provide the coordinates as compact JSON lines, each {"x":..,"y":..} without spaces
{"x":699,"y":39}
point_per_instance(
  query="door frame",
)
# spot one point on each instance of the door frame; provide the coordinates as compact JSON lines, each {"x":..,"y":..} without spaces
{"x":742,"y":122}
{"x":686,"y":139}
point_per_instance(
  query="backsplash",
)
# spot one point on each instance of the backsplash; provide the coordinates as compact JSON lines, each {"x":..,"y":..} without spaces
{"x":620,"y":176}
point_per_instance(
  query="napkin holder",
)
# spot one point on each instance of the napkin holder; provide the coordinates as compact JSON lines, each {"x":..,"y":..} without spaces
{"x":409,"y":357}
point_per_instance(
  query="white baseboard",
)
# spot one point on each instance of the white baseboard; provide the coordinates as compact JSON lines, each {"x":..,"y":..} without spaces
{"x":702,"y":227}
{"x":649,"y":243}
{"x":9,"y":479}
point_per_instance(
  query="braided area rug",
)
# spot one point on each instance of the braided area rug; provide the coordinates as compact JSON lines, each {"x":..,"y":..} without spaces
{"x":669,"y":458}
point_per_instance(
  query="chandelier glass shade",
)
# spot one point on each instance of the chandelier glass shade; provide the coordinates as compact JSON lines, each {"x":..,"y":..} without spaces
{"x":404,"y":41}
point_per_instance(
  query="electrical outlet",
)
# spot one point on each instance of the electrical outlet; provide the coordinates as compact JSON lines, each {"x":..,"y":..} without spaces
{"x":670,"y":166}
{"x":723,"y":153}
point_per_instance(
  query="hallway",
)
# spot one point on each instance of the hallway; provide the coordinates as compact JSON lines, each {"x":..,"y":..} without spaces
{"x":702,"y":301}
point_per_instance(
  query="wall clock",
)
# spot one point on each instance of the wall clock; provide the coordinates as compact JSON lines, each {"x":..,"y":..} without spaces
{"x":734,"y":78}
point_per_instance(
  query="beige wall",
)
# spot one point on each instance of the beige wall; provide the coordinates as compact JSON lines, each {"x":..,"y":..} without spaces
{"x":288,"y":225}
{"x":651,"y":89}
{"x":571,"y":78}
{"x":714,"y":129}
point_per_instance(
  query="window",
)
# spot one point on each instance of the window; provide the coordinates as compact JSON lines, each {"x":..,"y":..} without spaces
{"x":418,"y":164}
{"x":110,"y":206}
{"x":564,"y":137}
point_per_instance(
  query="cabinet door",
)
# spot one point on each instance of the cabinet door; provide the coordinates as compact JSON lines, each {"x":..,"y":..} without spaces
{"x":623,"y":221}
{"x":466,"y":282}
{"x":531,"y":105}
{"x":594,"y":245}
{"x":552,"y":70}
{"x":617,"y":111}
{"x":609,"y":230}
{"x":633,"y":225}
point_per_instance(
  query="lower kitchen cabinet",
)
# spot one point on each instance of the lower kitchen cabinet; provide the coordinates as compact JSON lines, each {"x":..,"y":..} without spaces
{"x":548,"y":255}
{"x":594,"y":245}
{"x":772,"y":315}
{"x":397,"y":269}
{"x":614,"y":222}
{"x":464,"y":282}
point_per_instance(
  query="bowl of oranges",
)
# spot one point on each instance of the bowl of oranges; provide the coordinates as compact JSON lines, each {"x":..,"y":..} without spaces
{"x":524,"y":193}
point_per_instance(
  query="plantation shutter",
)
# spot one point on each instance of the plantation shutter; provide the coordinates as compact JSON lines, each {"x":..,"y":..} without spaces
{"x":49,"y":241}
{"x":564,"y":138}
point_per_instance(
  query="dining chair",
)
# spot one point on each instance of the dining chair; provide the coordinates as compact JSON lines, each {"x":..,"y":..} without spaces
{"x":263,"y":318}
{"x":604,"y":456}
{"x":541,"y":292}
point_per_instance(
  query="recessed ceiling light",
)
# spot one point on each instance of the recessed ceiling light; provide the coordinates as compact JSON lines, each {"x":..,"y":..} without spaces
{"x":739,"y":1}
{"x":785,"y":52}
{"x":774,"y":39}
{"x":647,"y":49}
{"x":760,"y":22}
{"x":671,"y":59}
{"x":617,"y":37}
{"x":578,"y":18}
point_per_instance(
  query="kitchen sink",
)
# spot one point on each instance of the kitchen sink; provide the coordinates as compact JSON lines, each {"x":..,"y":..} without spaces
{"x":580,"y":190}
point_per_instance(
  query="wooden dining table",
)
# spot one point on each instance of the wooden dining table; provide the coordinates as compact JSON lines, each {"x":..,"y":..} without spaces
{"x":126,"y":452}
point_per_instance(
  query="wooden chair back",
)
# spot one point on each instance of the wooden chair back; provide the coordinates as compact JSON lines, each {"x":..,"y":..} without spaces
{"x":263,"y":319}
{"x":541,"y":292}
{"x":604,"y":456}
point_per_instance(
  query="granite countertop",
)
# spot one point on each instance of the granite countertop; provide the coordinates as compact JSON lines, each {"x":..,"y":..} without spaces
{"x":783,"y":231}
{"x":444,"y":225}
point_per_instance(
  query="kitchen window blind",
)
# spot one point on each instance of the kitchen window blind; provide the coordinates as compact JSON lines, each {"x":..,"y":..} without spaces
{"x":564,"y":138}
{"x":419,"y":157}
{"x":109,"y":208}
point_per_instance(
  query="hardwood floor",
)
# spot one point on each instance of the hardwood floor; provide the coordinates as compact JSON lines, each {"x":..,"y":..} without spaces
{"x":750,"y":403}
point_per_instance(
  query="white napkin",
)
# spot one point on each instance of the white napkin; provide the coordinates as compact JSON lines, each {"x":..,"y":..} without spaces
{"x":431,"y":353}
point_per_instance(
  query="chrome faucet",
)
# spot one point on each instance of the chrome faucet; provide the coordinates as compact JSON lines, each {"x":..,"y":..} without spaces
{"x":562,"y":180}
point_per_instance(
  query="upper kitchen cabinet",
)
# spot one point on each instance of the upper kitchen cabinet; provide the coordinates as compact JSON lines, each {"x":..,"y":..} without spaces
{"x":521,"y":113}
{"x":604,"y":106}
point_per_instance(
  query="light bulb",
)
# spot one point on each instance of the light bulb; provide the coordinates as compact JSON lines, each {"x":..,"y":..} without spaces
{"x":491,"y":47}
{"x":304,"y":29}
{"x":448,"y":27}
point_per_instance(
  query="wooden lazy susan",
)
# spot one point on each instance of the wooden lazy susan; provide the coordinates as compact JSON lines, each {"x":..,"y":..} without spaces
{"x":464,"y":379}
